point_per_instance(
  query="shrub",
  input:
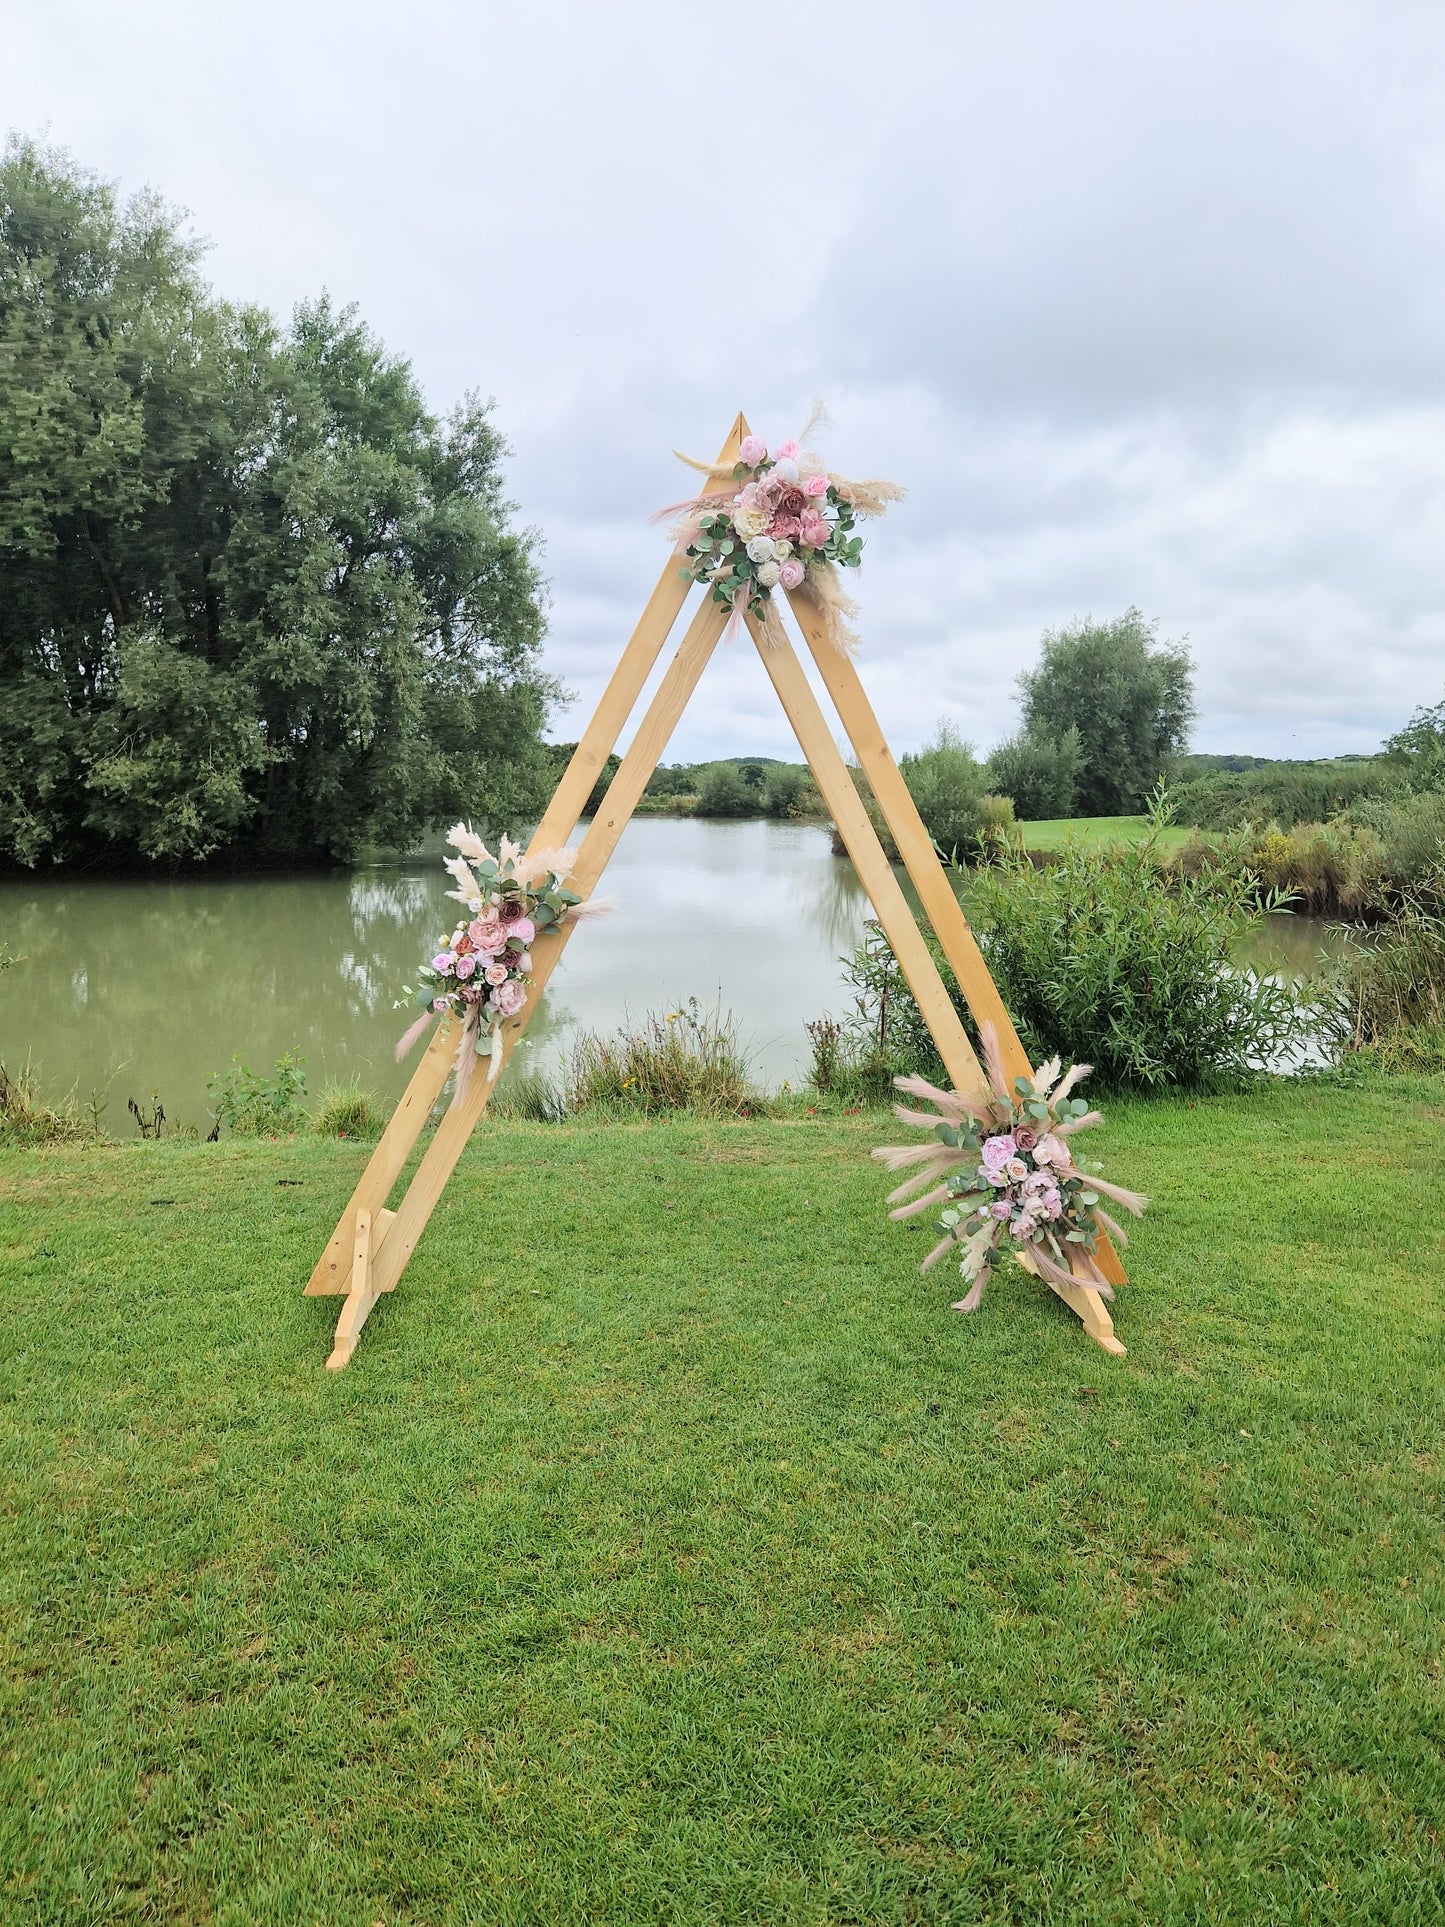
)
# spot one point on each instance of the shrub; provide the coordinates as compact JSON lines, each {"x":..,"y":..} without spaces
{"x":1108,"y":958}
{"x":528,"y":1098}
{"x":1040,"y":773}
{"x":787,"y":790}
{"x":947,"y":784}
{"x":254,"y":1106}
{"x":722,"y":792}
{"x":345,"y":1109}
{"x":1284,"y":793}
{"x":686,"y":1060}
{"x":1385,"y":991}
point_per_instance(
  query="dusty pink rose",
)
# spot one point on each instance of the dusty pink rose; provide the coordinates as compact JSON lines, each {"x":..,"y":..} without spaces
{"x":1053,"y":1203}
{"x":1023,"y":1227}
{"x":522,"y":927}
{"x":791,"y":573}
{"x":1053,"y":1150}
{"x":442,"y":962}
{"x":497,"y":974}
{"x":753,"y":450}
{"x":816,"y":485}
{"x":508,"y":998}
{"x":471,"y":995}
{"x":465,"y":967}
{"x":1000,"y":1208}
{"x":492,"y":939}
{"x":998,"y":1150}
{"x":788,"y":527}
{"x":1025,"y":1137}
{"x":477,"y":929}
{"x":816,"y":530}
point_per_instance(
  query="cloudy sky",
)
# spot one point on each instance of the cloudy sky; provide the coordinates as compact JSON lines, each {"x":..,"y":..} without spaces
{"x":1143,"y":303}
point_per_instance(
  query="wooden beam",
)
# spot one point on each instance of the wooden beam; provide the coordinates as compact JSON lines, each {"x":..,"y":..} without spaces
{"x":588,"y":760}
{"x":457,"y":1123}
{"x":875,"y":872}
{"x":939,"y":900}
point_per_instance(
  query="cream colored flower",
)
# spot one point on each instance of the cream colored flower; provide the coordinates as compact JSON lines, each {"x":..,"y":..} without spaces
{"x":768,"y":574}
{"x":749,"y":522}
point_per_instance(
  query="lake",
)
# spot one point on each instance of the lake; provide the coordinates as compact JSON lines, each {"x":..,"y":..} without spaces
{"x":154,"y":986}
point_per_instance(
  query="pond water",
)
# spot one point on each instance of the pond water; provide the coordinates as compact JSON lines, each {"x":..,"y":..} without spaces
{"x":146,"y":986}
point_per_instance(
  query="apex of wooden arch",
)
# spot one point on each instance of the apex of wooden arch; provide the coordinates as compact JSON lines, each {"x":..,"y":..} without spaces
{"x":370,"y":1247}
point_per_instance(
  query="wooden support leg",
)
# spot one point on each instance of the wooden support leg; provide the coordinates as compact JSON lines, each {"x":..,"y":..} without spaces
{"x":332,"y":1272}
{"x":941,"y":906}
{"x":875,"y":872}
{"x":457,"y":1123}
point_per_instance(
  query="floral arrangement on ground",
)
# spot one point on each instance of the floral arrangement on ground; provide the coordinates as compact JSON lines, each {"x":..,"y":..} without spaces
{"x":1009,"y":1176}
{"x":782,"y":520}
{"x":482,"y":973}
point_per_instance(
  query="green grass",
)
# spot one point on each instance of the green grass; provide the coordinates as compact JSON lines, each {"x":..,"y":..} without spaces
{"x":1097,"y":832}
{"x":670,"y":1552}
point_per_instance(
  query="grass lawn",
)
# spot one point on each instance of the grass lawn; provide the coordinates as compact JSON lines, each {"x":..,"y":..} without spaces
{"x":670,"y":1552}
{"x":1095,"y":832}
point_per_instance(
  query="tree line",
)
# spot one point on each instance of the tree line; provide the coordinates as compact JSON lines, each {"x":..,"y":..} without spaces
{"x":259,"y":605}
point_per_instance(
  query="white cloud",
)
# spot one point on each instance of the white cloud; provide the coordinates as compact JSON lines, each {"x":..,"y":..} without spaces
{"x":1144,"y":304}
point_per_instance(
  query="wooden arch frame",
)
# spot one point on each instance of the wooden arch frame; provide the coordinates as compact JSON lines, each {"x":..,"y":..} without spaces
{"x":370,"y":1247}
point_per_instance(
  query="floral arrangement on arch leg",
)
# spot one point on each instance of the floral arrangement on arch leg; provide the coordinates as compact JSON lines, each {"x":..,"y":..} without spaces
{"x":777,"y":518}
{"x":1009,"y":1176}
{"x":482,"y":972}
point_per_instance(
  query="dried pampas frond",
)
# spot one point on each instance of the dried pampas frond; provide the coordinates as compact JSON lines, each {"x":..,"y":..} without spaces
{"x":868,"y":498}
{"x":410,"y":1035}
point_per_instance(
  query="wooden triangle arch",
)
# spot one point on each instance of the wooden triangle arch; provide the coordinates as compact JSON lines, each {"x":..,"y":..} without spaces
{"x":371,"y":1245}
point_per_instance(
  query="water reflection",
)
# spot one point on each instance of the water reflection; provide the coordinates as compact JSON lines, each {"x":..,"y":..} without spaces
{"x":159,"y":984}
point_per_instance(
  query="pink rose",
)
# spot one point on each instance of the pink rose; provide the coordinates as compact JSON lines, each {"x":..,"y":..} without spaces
{"x":999,"y":1208}
{"x":471,"y":995}
{"x":816,"y":530}
{"x":1016,"y":1170}
{"x":785,"y":451}
{"x":1025,"y":1137}
{"x":524,"y":928}
{"x":497,"y":974}
{"x":442,"y":962}
{"x":789,"y":527}
{"x":791,"y":573}
{"x":465,"y":967}
{"x":816,"y":485}
{"x":440,"y":1003}
{"x":1023,"y":1228}
{"x":753,"y":450}
{"x":477,"y":929}
{"x":508,"y":998}
{"x":998,"y":1150}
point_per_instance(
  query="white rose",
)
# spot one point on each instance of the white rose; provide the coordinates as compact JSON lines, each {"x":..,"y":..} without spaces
{"x":760,"y":549}
{"x":768,"y":574}
{"x":782,"y":549}
{"x":786,"y":471}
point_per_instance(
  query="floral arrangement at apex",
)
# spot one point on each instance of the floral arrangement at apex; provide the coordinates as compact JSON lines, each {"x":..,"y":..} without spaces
{"x":482,"y":972}
{"x":1009,"y":1176}
{"x":777,"y":518}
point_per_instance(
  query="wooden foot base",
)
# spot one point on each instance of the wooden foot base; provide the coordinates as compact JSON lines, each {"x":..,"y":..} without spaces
{"x":363,"y":1292}
{"x":1089,"y":1307}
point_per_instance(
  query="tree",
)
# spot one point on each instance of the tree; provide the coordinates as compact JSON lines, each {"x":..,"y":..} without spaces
{"x":1039,"y":773}
{"x":1420,"y":748}
{"x":947,"y":783}
{"x":1130,"y":698}
{"x":722,"y":792}
{"x":259,"y":603}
